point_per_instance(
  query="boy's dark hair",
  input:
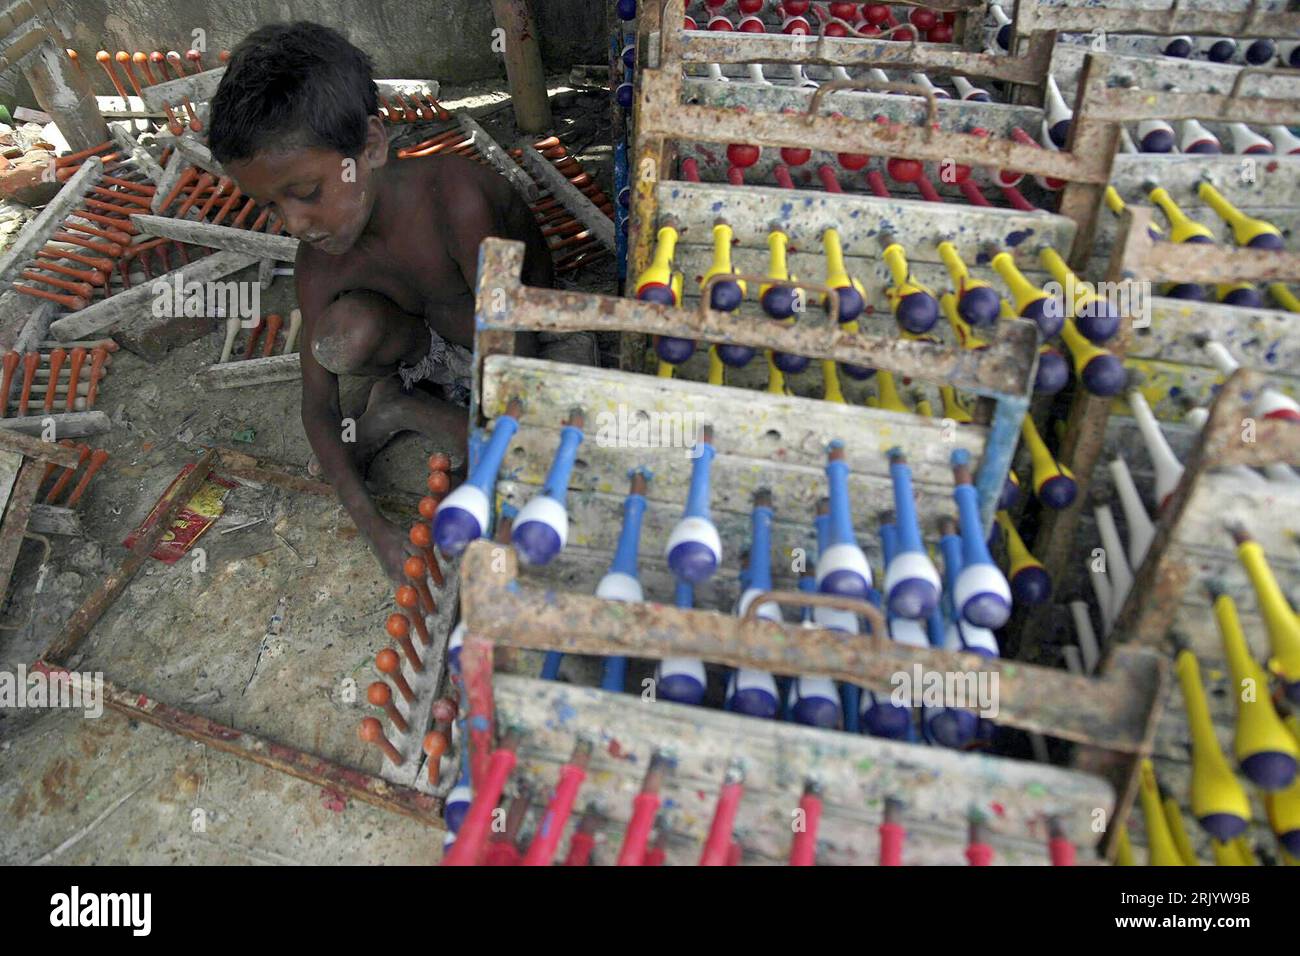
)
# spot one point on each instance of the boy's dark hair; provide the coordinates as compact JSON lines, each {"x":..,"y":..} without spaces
{"x":291,"y":85}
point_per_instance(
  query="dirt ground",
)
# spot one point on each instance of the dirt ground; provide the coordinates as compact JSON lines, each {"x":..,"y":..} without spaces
{"x":111,"y":790}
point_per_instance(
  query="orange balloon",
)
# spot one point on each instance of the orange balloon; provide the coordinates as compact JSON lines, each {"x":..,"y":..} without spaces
{"x":397,"y":625}
{"x":371,"y":731}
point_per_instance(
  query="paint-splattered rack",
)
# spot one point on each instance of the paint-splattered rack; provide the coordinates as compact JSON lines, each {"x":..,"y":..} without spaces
{"x":1205,"y":90}
{"x":665,"y":114}
{"x":1193,"y":548}
{"x":1002,"y":373}
{"x":753,"y":212}
{"x":778,"y":442}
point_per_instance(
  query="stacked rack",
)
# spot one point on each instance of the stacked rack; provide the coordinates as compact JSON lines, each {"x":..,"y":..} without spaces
{"x":759,"y":440}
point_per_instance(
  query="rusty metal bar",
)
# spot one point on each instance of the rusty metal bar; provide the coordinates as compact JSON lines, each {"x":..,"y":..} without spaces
{"x":86,"y":616}
{"x":662,"y":114}
{"x":1117,"y":18}
{"x":16,"y":515}
{"x":239,"y":465}
{"x":678,"y":46}
{"x":1112,"y":711}
{"x":1121,"y":105}
{"x":47,"y":451}
{"x":313,"y":769}
{"x":1146,"y":259}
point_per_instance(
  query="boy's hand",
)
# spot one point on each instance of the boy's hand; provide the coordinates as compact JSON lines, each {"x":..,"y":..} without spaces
{"x":392,"y":545}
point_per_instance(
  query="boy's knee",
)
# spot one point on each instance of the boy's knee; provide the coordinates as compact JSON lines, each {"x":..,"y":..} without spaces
{"x":349,"y":331}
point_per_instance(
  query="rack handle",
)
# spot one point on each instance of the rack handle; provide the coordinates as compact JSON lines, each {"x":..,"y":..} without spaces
{"x":816,"y":599}
{"x":1255,"y":71}
{"x":876,"y":86}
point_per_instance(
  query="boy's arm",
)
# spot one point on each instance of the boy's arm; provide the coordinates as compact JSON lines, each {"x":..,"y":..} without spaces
{"x":322,"y":421}
{"x":474,"y":217}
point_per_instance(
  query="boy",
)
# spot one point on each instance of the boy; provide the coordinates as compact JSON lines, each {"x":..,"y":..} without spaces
{"x":388,"y":257}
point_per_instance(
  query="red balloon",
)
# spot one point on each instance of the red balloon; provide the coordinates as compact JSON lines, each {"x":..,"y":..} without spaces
{"x":904,"y":170}
{"x":852,"y":161}
{"x":750,"y":6}
{"x":940,"y":33}
{"x":795,"y":8}
{"x":875,"y":13}
{"x":923,"y":19}
{"x":742,"y":155}
{"x":845,"y":11}
{"x":795,"y":157}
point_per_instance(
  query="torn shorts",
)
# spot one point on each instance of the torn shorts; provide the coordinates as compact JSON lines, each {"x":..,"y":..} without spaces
{"x":446,"y":364}
{"x":452,"y":366}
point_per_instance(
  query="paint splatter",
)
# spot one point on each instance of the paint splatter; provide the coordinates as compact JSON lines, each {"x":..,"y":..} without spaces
{"x":333,"y":800}
{"x":998,"y":809}
{"x":1036,"y":790}
{"x":1016,"y":238}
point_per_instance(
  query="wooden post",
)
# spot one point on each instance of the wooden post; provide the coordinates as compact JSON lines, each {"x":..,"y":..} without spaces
{"x":523,"y":65}
{"x":65,"y":93}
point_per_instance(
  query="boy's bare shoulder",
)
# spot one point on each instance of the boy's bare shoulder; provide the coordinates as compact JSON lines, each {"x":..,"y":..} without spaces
{"x":453,"y":182}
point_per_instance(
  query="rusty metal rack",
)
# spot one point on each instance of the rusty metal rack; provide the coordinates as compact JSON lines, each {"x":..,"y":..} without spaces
{"x":1248,"y":95}
{"x":1192,"y":547}
{"x":672,"y":110}
{"x":777,"y":442}
{"x":665,"y":113}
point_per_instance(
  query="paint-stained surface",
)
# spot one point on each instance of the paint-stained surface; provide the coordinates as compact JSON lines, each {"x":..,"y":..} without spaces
{"x":80,"y":791}
{"x":940,"y":787}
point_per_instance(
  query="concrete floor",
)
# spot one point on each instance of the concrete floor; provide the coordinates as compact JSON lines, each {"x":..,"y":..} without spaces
{"x":112,"y":790}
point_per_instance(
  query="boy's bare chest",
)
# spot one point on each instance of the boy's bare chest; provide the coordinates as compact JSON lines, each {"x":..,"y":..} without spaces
{"x":422,"y":282}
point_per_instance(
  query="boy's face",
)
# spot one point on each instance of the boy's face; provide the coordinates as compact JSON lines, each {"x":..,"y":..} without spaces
{"x":324,"y":197}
